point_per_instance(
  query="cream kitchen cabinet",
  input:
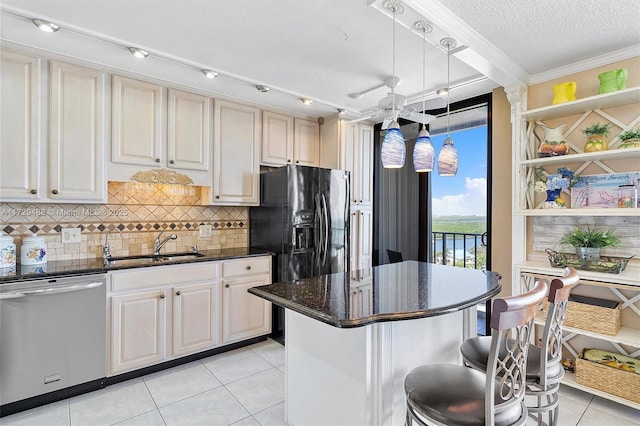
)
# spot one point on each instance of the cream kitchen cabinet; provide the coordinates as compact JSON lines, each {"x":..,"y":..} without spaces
{"x":161,"y":313}
{"x":236,"y":154}
{"x":361,"y":289}
{"x":245,"y":315}
{"x":138,"y":330}
{"x":361,"y":237}
{"x":20,"y":150}
{"x":70,"y":167}
{"x":195,"y":317}
{"x":157,"y":127}
{"x":288,"y":140}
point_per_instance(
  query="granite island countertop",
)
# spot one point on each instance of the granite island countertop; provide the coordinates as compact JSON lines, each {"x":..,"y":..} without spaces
{"x":65,"y":268}
{"x":398,"y":291}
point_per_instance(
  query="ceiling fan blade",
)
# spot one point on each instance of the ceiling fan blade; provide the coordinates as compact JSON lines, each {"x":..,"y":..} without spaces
{"x":392,"y":99}
{"x":417,"y":116}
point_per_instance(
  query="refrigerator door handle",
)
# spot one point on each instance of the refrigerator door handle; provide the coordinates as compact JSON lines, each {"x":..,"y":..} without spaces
{"x":326,"y":229}
{"x":318,"y":236}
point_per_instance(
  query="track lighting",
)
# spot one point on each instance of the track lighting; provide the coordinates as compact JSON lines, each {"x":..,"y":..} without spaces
{"x":138,"y":53}
{"x":210,"y":74}
{"x":307,"y":101}
{"x":262,"y":88}
{"x":46,"y":26}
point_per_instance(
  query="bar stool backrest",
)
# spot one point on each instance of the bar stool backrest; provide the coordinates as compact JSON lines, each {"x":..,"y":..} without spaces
{"x":511,"y":322}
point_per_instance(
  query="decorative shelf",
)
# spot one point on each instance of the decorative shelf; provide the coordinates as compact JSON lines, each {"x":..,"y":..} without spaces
{"x":612,"y":154}
{"x":570,"y":380}
{"x":626,"y":279}
{"x":578,"y":212}
{"x":607,"y":100}
{"x":626,"y":336}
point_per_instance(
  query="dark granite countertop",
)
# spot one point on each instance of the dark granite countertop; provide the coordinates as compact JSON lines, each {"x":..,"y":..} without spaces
{"x":399,"y":291}
{"x":65,"y":268}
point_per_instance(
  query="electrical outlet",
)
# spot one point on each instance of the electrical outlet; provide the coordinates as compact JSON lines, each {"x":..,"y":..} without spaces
{"x":70,"y":235}
{"x":205,"y":230}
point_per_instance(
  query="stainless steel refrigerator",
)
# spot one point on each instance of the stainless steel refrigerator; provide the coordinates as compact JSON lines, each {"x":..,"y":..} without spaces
{"x":304,"y":218}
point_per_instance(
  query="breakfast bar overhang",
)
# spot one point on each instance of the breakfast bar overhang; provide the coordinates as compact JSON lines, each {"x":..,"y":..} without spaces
{"x":352,"y":337}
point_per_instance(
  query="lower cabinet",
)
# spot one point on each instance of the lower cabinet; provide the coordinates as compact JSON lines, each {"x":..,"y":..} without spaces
{"x":165,"y":312}
{"x":138,"y":330}
{"x":243,"y":314}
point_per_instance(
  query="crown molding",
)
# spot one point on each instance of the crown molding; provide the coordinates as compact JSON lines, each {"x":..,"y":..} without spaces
{"x":587,"y":64}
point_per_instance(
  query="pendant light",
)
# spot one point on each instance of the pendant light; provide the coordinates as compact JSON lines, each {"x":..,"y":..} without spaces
{"x":448,"y":157}
{"x":393,"y":147}
{"x":423,"y":152}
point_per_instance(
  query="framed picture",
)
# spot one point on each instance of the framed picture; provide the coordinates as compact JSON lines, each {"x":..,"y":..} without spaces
{"x":601,"y":191}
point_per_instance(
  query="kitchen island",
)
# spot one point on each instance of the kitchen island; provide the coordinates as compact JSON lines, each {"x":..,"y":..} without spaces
{"x":352,"y":337}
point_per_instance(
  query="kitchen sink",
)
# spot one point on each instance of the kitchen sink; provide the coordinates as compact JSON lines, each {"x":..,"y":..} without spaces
{"x":133,"y":260}
{"x":180,"y":256}
{"x":146,"y":259}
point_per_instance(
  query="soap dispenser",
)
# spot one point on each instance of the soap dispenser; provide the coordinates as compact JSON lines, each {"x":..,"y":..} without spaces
{"x":33,"y":250}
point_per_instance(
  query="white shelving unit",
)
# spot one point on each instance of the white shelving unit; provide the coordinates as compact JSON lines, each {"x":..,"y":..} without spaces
{"x":623,"y":287}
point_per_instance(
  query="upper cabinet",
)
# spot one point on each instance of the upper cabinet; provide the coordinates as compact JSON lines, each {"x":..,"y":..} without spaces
{"x":288,"y":140}
{"x":20,"y":105}
{"x":70,"y":168}
{"x":156,"y":129}
{"x":236,"y":154}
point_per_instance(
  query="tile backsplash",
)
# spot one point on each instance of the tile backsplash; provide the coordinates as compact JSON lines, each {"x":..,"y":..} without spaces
{"x":137,"y":212}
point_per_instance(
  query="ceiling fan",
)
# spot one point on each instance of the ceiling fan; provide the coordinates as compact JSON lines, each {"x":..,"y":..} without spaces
{"x":384,"y":111}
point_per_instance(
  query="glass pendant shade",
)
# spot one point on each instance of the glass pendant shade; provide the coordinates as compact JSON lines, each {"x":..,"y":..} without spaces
{"x":393,"y":147}
{"x":423,"y":153}
{"x":448,"y":159}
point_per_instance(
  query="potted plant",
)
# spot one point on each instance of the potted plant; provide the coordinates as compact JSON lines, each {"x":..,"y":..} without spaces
{"x":630,"y":139}
{"x":588,"y":241}
{"x":596,"y":137}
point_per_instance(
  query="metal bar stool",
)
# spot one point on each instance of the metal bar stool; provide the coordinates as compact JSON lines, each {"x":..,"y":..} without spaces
{"x":446,"y":394}
{"x":543,"y":388}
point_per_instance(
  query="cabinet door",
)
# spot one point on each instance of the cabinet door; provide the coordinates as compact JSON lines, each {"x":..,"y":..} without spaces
{"x":196,"y":308}
{"x":138,"y":330}
{"x":236,"y":150}
{"x":77,"y":139}
{"x":354,"y":241}
{"x":365,"y":231}
{"x":19,"y":106}
{"x":306,"y":142}
{"x":364,"y":157}
{"x":347,"y":157}
{"x":277,"y":139}
{"x":189,"y":130}
{"x":244,"y":315}
{"x":137,"y":123}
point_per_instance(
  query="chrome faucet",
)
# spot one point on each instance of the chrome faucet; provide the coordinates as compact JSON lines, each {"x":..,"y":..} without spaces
{"x":157,"y":244}
{"x":106,"y":252}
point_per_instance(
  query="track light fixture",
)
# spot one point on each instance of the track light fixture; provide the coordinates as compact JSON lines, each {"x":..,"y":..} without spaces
{"x":46,"y":26}
{"x":262,"y":88}
{"x":306,"y":101}
{"x":138,"y":53}
{"x":210,"y":74}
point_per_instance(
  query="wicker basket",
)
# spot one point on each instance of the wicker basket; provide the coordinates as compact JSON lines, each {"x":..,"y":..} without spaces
{"x":591,"y":317}
{"x":624,"y":384}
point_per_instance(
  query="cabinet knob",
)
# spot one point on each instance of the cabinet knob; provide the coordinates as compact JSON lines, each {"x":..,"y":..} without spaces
{"x":34,"y":191}
{"x":226,"y":285}
{"x":289,"y":160}
{"x":54,"y":192}
{"x":360,"y":201}
{"x":162,"y":296}
{"x":297,"y":161}
{"x":217,"y":197}
{"x":248,"y":267}
{"x":157,"y":160}
{"x":171,"y":161}
{"x":178,"y":293}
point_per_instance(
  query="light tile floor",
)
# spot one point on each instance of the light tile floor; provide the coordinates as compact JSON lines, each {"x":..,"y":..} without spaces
{"x":243,"y":387}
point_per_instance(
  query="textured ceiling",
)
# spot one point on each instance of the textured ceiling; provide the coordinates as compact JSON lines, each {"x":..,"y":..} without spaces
{"x":541,"y":35}
{"x":326,"y":49}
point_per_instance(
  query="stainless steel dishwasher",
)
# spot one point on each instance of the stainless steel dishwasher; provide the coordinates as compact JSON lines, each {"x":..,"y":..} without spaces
{"x":52,"y":335}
